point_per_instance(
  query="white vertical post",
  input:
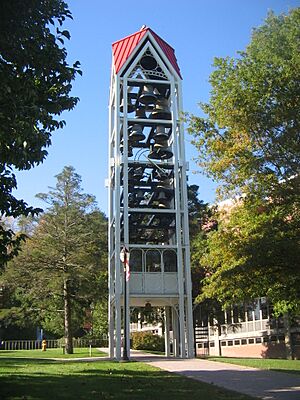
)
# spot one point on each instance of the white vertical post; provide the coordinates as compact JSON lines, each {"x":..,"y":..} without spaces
{"x":125,"y":210}
{"x":111,"y":342}
{"x":117,"y":221}
{"x":175,"y":332}
{"x":178,"y":224}
{"x":167,"y":331}
{"x":186,"y":236}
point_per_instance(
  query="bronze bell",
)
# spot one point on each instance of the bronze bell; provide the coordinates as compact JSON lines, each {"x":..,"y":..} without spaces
{"x":165,"y":185}
{"x":148,"y":96}
{"x":163,"y":150}
{"x":163,"y":201}
{"x":138,"y":173}
{"x":153,"y":153}
{"x":136,"y":133}
{"x":139,"y":195}
{"x":166,"y":153}
{"x":160,"y":134}
{"x":140,"y":112}
{"x":130,"y":106}
{"x":161,"y":109}
{"x":148,"y":62}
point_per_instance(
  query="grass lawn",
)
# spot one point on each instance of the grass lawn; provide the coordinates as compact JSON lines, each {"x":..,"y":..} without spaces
{"x":290,"y":366}
{"x":51,"y":353}
{"x":40,"y":379}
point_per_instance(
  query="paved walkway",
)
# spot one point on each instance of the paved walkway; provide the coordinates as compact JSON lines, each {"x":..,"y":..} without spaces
{"x":263,"y":384}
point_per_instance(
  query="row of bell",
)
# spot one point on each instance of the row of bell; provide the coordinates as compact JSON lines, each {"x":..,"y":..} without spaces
{"x":160,"y":108}
{"x":163,"y":199}
{"x":158,"y":151}
{"x":135,"y":134}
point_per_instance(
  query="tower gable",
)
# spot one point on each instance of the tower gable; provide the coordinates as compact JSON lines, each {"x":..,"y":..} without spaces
{"x":123,"y":49}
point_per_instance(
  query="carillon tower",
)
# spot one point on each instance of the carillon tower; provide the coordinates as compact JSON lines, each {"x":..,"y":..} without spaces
{"x":148,"y":207}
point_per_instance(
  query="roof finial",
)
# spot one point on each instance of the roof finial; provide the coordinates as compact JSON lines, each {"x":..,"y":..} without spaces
{"x":143,"y":27}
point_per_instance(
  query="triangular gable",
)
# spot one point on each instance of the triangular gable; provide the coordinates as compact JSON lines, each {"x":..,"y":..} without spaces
{"x":122,"y":49}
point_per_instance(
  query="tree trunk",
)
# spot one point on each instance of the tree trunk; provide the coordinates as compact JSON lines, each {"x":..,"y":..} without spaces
{"x":67,"y":312}
{"x":288,"y":336}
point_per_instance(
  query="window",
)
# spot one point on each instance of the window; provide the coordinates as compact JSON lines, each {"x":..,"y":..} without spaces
{"x":249,"y":313}
{"x":135,"y":260}
{"x":235,"y":314}
{"x":264,"y":308}
{"x":153,"y":261}
{"x":244,"y":341}
{"x":241,"y":311}
{"x":258,"y":340}
{"x":170,"y":261}
{"x":257,"y":310}
{"x":230,"y":343}
{"x":228,"y":316}
{"x":251,"y":341}
{"x":237,"y":342}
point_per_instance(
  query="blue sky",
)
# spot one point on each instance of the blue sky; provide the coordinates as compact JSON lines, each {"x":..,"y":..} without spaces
{"x":198,"y":30}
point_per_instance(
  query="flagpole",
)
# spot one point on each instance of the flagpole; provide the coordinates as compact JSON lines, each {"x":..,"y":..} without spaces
{"x":125,"y":350}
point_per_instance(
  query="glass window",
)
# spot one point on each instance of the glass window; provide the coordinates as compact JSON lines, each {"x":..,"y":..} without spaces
{"x":235,"y":314}
{"x":264,"y":307}
{"x":228,"y":316}
{"x":153,"y":261}
{"x":170,"y":261}
{"x":249,"y":313}
{"x":256,"y":310}
{"x":135,"y":260}
{"x":241,"y":312}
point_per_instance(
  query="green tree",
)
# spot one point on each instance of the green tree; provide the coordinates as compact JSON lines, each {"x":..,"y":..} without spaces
{"x":60,"y":270}
{"x":199,"y":211}
{"x":249,"y":140}
{"x":249,"y":143}
{"x":35,"y":88}
{"x":255,"y":253}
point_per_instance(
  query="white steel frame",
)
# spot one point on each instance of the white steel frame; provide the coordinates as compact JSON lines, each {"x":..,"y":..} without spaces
{"x":180,"y":315}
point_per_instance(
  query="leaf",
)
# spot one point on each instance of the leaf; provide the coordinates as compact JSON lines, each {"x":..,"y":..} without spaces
{"x":66,"y":34}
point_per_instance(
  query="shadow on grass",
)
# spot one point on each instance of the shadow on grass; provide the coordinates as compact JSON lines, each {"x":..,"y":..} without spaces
{"x":45,"y":380}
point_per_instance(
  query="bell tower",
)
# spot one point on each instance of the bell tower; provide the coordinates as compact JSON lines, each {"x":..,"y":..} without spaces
{"x":148,"y":207}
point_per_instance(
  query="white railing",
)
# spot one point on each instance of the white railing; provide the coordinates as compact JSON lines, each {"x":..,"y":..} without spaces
{"x":51,"y":344}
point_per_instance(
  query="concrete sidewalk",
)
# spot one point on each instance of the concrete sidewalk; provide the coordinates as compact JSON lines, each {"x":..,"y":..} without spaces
{"x":263,"y":384}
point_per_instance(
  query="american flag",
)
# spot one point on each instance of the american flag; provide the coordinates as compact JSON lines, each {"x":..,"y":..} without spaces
{"x":124,"y":256}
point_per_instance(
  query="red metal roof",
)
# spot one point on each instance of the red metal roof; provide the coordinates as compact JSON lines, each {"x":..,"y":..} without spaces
{"x":123,"y":48}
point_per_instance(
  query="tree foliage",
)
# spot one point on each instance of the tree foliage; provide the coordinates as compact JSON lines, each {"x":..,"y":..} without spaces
{"x":62,"y":268}
{"x":254,"y":253}
{"x":250,"y":138}
{"x":35,"y":89}
{"x":249,"y":142}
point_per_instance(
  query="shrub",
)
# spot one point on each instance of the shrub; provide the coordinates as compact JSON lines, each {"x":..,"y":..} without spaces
{"x":147,"y":341}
